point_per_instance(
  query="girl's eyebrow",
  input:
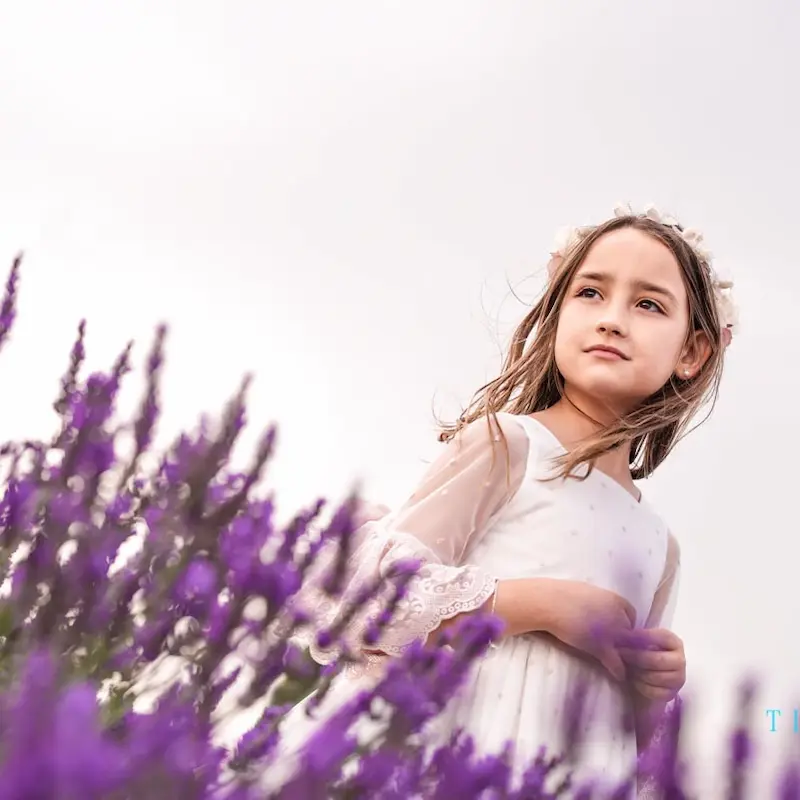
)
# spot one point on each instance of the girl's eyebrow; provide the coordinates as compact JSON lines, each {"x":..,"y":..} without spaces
{"x":646,"y":286}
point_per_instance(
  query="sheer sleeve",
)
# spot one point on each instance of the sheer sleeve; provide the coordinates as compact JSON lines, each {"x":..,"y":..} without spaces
{"x":665,"y":599}
{"x":451,"y":508}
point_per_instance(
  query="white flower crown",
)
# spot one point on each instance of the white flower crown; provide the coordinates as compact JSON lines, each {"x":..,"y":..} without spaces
{"x":567,"y":238}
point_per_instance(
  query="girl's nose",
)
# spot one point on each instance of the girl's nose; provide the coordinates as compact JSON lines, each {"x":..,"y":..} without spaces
{"x":611,"y":325}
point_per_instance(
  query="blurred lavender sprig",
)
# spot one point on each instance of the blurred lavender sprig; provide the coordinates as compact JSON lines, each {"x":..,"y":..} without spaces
{"x":8,"y":307}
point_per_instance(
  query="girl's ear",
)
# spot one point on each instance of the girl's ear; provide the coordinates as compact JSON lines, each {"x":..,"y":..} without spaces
{"x":696,"y":352}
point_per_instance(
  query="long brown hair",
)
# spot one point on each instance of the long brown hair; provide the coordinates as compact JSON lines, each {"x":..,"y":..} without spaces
{"x":530,"y":380}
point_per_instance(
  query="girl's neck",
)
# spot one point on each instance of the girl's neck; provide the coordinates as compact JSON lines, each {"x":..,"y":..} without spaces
{"x":575,"y":419}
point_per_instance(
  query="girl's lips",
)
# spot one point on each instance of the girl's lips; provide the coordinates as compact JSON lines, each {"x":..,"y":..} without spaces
{"x":609,"y":353}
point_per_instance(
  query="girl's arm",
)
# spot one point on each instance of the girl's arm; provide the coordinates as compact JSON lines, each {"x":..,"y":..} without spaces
{"x":455,"y":502}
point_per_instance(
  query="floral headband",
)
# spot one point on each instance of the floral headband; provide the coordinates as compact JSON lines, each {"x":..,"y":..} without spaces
{"x":568,"y":238}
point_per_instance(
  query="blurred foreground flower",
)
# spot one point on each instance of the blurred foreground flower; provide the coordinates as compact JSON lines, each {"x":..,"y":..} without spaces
{"x":127,"y":579}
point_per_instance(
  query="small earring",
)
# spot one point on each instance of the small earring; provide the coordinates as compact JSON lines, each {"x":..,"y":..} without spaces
{"x":686,"y":373}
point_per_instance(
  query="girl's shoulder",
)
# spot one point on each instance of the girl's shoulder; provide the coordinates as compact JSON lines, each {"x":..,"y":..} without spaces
{"x":500,"y":444}
{"x":510,"y":446}
{"x":489,"y":431}
{"x":539,"y":442}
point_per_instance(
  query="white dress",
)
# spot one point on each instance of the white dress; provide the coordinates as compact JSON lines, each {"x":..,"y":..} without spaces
{"x":476,"y":518}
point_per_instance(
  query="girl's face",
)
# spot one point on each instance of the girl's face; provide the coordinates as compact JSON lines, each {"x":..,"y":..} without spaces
{"x":622,"y":329}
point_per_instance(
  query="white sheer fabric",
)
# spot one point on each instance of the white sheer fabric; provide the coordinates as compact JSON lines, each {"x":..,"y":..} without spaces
{"x":665,"y":599}
{"x":451,"y":509}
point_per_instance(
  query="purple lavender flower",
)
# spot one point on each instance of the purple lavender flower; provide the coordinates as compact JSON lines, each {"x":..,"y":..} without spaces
{"x":461,"y":772}
{"x":90,"y":765}
{"x":789,"y":784}
{"x":326,"y":752}
{"x":199,"y":580}
{"x":260,"y":741}
{"x":146,"y":422}
{"x":69,"y":381}
{"x":8,"y":309}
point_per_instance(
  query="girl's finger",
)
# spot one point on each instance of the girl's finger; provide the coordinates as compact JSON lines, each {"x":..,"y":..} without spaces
{"x":650,"y":639}
{"x":652,"y":659}
{"x":611,"y":660}
{"x":667,"y":679}
{"x":653,"y":692}
{"x":665,"y":639}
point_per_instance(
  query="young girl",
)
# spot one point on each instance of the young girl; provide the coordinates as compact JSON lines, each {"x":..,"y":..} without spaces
{"x":532,"y":513}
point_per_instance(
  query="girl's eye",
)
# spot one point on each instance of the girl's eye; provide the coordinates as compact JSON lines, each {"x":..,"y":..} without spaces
{"x":648,"y":305}
{"x":651,"y":306}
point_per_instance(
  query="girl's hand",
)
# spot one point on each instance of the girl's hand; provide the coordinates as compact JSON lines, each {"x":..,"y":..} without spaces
{"x":656,"y":661}
{"x":590,"y":619}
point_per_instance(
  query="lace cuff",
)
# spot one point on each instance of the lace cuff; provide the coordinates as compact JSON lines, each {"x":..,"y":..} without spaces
{"x":436,"y":593}
{"x":453,"y":506}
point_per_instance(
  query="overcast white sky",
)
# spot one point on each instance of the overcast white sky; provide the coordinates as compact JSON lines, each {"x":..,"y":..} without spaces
{"x":338,"y":196}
